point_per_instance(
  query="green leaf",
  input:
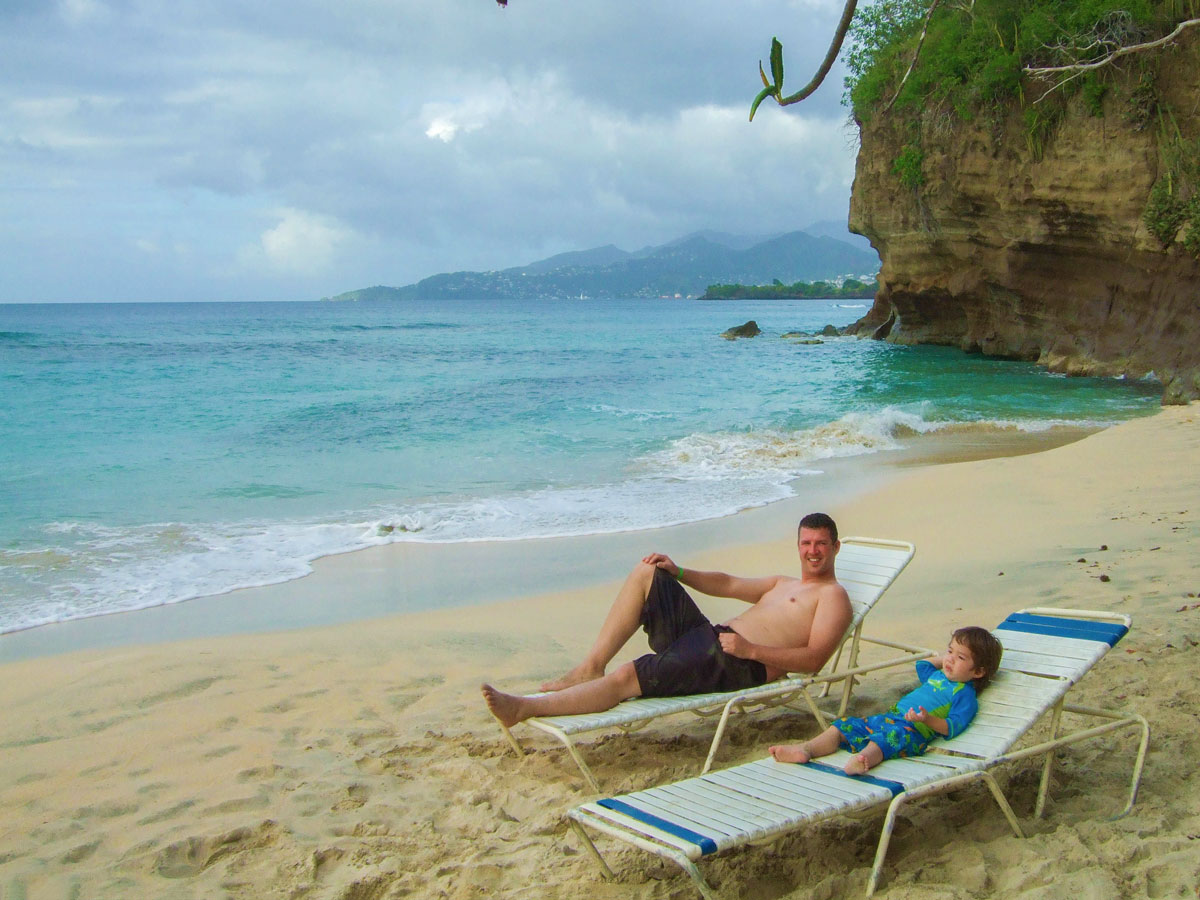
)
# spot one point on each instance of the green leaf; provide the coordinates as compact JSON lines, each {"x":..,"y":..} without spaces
{"x":777,"y":63}
{"x":768,"y":91}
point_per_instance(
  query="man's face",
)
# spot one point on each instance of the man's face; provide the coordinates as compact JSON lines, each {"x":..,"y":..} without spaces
{"x":817,"y":551}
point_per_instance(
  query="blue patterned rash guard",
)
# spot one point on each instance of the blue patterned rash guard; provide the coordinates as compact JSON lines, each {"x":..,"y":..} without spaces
{"x":953,"y":701}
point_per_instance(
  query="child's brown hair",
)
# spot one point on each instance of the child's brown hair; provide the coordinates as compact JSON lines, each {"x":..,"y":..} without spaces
{"x":985,"y":651}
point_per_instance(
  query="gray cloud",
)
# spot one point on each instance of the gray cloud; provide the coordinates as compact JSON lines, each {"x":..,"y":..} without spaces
{"x":223,"y":150}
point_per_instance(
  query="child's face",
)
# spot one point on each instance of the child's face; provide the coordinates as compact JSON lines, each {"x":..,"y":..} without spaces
{"x":959,"y":665}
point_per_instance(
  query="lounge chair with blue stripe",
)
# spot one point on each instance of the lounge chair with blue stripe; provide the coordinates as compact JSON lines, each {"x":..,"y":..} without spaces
{"x":866,"y":567}
{"x":1046,"y":652}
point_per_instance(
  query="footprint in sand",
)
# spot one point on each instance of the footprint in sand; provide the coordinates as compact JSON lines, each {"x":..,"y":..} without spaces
{"x":358,"y":739}
{"x":282,"y":706}
{"x":186,"y":689}
{"x":259,"y":773}
{"x":56,"y":830}
{"x":404,"y":696}
{"x":189,"y":857}
{"x":325,"y":861}
{"x":356,"y":796}
{"x":239,"y":804}
{"x":96,"y":770}
{"x":80,"y":853}
{"x":105,"y":811}
{"x":372,"y":765}
{"x":105,"y":724}
{"x":366,"y":889}
{"x":171,"y":812}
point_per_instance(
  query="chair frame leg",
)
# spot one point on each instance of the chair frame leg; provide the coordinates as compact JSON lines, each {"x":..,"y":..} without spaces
{"x":583,"y":766}
{"x":941,"y":787}
{"x":512,"y":741}
{"x":1048,"y":765}
{"x":692,"y":870}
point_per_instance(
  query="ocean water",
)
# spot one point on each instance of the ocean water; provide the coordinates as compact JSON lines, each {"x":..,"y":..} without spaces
{"x":155,"y":453}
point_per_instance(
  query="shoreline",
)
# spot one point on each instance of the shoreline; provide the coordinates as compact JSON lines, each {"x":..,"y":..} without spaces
{"x":358,"y":760}
{"x":407,"y":577}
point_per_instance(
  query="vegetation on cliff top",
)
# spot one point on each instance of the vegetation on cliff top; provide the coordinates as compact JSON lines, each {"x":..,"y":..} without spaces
{"x":972,"y":53}
{"x":910,"y":59}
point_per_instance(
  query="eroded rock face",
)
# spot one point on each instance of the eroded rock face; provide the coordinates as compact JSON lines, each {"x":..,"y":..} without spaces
{"x":1045,"y":259}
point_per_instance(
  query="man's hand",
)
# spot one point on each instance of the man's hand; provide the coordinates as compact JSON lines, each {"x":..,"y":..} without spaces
{"x":663,"y":561}
{"x":736,"y":645}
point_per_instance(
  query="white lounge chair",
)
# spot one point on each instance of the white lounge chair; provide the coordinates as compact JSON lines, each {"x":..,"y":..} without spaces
{"x":866,"y":567}
{"x":1046,"y":651}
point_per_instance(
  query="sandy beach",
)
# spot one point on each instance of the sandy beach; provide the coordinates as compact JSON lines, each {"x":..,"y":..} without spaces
{"x":357,"y":761}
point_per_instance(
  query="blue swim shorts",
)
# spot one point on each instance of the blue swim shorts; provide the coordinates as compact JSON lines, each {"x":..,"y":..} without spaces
{"x":894,"y":736}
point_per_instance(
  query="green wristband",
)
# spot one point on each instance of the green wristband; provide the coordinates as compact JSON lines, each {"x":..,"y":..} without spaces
{"x":679,"y":577}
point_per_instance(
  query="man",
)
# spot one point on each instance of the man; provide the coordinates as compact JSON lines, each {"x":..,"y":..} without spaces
{"x":792,"y":625}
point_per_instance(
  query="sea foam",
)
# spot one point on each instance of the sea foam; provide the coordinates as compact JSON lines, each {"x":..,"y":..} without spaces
{"x":86,"y":569}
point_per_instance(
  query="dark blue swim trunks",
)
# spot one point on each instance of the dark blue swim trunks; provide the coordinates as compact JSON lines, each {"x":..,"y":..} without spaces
{"x":687,"y":657}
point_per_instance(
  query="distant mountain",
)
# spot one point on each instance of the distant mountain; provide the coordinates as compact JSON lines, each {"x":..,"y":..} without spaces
{"x":600,"y":256}
{"x":724,"y":238}
{"x":839,"y":231}
{"x":683,"y":267}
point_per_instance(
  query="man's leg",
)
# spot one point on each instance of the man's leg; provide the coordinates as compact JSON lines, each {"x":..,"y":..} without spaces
{"x":595,"y":695}
{"x":624,"y":618}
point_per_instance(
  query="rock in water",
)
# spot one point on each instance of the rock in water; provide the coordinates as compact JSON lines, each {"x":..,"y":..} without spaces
{"x":749,"y":329}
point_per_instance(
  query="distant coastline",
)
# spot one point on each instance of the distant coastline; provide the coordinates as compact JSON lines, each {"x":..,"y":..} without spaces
{"x":680,"y":269}
{"x":850,"y":289}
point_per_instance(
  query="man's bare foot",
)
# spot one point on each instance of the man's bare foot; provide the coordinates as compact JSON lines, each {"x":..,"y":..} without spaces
{"x":577,"y":675}
{"x":791,"y":753}
{"x":857,"y":765}
{"x":508,"y":708}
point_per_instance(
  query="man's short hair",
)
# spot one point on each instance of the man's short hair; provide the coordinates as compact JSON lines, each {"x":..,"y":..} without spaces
{"x":819,"y":520}
{"x":986,"y":651}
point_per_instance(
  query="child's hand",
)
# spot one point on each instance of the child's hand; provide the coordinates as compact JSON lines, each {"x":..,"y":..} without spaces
{"x":917,"y":715}
{"x":936,"y":660}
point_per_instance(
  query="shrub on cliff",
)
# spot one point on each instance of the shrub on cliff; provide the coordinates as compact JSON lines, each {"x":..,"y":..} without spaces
{"x":972,"y":54}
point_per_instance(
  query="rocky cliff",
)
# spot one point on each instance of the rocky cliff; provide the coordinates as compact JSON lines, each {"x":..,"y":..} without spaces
{"x":1019,"y":240}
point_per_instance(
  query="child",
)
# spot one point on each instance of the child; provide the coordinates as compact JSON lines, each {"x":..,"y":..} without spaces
{"x":943,"y":705}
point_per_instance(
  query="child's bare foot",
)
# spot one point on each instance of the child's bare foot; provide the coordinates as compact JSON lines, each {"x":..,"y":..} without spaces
{"x":577,"y":675}
{"x":791,"y":753}
{"x":508,"y":708}
{"x":857,"y":765}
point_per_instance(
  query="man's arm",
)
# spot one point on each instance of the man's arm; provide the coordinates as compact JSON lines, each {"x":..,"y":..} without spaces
{"x":716,"y":584}
{"x":832,"y":617}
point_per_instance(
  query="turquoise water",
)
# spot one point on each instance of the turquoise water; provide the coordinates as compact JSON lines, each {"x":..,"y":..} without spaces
{"x":153,"y":453}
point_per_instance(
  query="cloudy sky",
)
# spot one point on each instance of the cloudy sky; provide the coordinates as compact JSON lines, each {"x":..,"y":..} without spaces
{"x":226,"y":150}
